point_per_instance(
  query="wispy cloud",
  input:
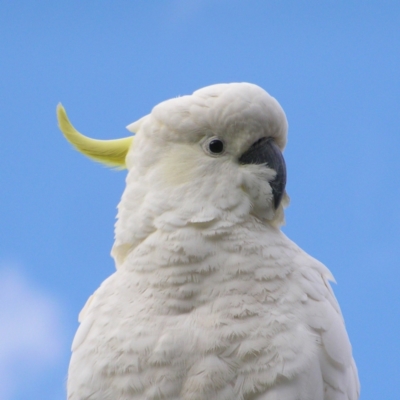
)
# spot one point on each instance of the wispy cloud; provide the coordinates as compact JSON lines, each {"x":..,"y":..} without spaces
{"x":31,"y":337}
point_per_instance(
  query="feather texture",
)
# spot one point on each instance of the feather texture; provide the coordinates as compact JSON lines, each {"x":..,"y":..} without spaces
{"x":210,"y":300}
{"x":109,"y":152}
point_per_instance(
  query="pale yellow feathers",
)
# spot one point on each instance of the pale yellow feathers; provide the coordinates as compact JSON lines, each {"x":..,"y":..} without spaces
{"x":109,"y":152}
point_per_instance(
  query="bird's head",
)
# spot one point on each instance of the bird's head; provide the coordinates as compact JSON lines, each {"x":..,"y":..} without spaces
{"x":216,"y":154}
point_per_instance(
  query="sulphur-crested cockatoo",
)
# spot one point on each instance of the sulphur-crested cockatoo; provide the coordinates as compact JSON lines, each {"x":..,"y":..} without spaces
{"x":210,"y":300}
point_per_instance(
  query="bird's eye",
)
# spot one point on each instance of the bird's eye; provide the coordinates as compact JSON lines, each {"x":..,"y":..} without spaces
{"x":216,"y":146}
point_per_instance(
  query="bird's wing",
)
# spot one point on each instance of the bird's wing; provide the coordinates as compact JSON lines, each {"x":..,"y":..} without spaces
{"x":331,"y":374}
{"x":86,"y":320}
{"x":324,"y":317}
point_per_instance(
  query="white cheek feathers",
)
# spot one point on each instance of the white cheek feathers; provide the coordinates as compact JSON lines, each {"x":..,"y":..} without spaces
{"x":210,"y":300}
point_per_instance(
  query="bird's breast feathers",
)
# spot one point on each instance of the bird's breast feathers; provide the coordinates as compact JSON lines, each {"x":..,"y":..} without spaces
{"x":210,"y":300}
{"x":197,"y":316}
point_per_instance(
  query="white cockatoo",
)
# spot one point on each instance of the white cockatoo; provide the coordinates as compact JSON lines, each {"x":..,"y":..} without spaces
{"x":209,"y":300}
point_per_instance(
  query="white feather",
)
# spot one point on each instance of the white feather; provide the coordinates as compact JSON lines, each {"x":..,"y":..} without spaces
{"x":210,"y":299}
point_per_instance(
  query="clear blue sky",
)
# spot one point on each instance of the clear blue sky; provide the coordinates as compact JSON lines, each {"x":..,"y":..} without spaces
{"x":333,"y":65}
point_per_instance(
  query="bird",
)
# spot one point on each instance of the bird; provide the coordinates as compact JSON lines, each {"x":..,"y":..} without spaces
{"x":209,"y":300}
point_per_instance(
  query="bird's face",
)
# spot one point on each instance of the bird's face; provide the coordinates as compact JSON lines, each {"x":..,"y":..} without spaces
{"x":213,"y":158}
{"x":217,"y":147}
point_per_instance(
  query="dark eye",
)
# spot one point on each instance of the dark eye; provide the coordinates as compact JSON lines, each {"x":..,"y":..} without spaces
{"x":216,"y":146}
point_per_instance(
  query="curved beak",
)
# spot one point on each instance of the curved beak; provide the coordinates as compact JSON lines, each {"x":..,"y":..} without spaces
{"x":265,"y":151}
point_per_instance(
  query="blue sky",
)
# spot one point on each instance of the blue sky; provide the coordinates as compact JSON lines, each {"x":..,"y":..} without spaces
{"x":333,"y":65}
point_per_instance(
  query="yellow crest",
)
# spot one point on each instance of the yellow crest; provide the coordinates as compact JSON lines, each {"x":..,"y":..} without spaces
{"x":109,"y":152}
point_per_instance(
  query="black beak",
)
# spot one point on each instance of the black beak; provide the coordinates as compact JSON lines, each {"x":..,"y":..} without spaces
{"x":265,"y":151}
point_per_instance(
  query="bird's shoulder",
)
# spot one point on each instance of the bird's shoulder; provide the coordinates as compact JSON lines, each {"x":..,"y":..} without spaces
{"x":325,"y":320}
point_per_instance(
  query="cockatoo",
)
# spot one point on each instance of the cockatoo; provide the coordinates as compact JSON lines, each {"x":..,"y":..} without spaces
{"x":209,"y":300}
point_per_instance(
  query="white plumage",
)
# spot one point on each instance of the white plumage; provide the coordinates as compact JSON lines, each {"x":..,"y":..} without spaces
{"x":210,"y":300}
